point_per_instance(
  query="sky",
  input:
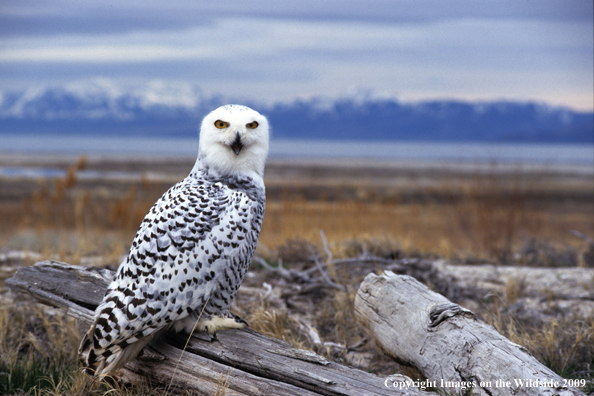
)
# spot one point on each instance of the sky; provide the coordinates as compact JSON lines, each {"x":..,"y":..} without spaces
{"x":267,"y":51}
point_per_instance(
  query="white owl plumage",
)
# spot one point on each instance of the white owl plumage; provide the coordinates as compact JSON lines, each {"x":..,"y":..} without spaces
{"x":192,"y":249}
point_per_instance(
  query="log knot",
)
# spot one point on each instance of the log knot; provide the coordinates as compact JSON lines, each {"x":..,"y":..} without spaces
{"x":442,"y":311}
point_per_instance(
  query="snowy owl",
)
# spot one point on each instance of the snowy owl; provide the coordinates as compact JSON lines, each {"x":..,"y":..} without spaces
{"x":192,"y":249}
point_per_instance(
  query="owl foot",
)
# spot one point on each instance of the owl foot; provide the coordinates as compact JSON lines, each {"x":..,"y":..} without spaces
{"x":216,"y":323}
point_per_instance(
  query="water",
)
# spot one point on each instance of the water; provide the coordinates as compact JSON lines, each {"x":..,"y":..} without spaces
{"x":529,"y":153}
{"x":473,"y":154}
{"x":544,"y":154}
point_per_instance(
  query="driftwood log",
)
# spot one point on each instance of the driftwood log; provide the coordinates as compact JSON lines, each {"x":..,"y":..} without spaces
{"x":243,"y":362}
{"x":531,"y":294}
{"x":447,"y":343}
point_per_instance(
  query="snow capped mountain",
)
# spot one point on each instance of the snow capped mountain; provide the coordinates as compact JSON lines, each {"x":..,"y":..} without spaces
{"x":175,"y":109}
{"x":99,"y":99}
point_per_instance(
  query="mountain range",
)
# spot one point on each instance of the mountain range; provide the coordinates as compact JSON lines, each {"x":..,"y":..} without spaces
{"x":175,"y":110}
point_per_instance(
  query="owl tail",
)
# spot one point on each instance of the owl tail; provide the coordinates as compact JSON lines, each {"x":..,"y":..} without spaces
{"x":99,"y":362}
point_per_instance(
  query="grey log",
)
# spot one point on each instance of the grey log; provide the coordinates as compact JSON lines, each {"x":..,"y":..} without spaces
{"x":243,"y":361}
{"x":535,"y":291}
{"x":418,"y":327}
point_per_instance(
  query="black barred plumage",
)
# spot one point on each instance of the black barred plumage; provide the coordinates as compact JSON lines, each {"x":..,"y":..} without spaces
{"x":193,"y":247}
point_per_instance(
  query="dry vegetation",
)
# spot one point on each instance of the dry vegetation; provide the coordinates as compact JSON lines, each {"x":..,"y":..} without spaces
{"x":507,"y":216}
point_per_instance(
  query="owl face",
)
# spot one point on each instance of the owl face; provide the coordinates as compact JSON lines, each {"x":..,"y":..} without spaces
{"x":234,"y":140}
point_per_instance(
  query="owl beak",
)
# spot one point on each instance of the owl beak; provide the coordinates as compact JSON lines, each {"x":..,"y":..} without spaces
{"x":237,"y":145}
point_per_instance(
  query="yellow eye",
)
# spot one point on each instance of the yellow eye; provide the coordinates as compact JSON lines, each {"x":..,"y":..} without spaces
{"x":221,"y":124}
{"x":252,"y":125}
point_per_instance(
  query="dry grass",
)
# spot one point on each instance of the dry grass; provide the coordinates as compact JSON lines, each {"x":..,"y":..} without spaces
{"x":499,"y":218}
{"x":38,"y":356}
{"x":465,"y":230}
{"x":566,"y":346}
{"x":277,"y":324}
{"x":478,"y":216}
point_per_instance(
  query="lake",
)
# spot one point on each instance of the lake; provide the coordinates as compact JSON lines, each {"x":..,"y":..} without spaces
{"x":520,"y":153}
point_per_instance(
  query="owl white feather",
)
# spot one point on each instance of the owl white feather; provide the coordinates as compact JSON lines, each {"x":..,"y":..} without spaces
{"x":192,"y":249}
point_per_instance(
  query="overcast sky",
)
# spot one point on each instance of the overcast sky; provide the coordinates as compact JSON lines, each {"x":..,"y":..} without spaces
{"x":539,"y":50}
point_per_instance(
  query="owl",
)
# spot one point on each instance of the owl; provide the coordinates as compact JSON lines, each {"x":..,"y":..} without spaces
{"x":192,"y":249}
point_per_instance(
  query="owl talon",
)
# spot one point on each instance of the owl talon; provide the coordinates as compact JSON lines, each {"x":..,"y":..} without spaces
{"x":203,"y":336}
{"x":213,"y":336}
{"x":239,"y":320}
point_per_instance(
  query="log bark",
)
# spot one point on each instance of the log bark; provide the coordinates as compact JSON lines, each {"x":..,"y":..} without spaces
{"x":447,"y":343}
{"x":243,"y":362}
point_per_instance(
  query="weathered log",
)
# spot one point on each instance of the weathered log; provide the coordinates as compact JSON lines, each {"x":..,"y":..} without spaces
{"x":530,"y":293}
{"x":447,"y":343}
{"x":243,"y":362}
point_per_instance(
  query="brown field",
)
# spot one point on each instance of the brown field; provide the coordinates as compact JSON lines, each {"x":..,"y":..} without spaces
{"x":503,"y":214}
{"x":457,"y":211}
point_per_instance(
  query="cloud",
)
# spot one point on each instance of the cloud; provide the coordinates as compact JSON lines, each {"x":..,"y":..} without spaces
{"x":23,"y":17}
{"x":502,"y":49}
{"x":240,"y":38}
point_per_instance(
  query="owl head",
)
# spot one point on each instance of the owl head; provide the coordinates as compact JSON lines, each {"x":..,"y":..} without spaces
{"x":234,"y":141}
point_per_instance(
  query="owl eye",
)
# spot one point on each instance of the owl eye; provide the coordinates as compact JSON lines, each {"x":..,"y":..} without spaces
{"x":221,"y":124}
{"x":252,"y":125}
